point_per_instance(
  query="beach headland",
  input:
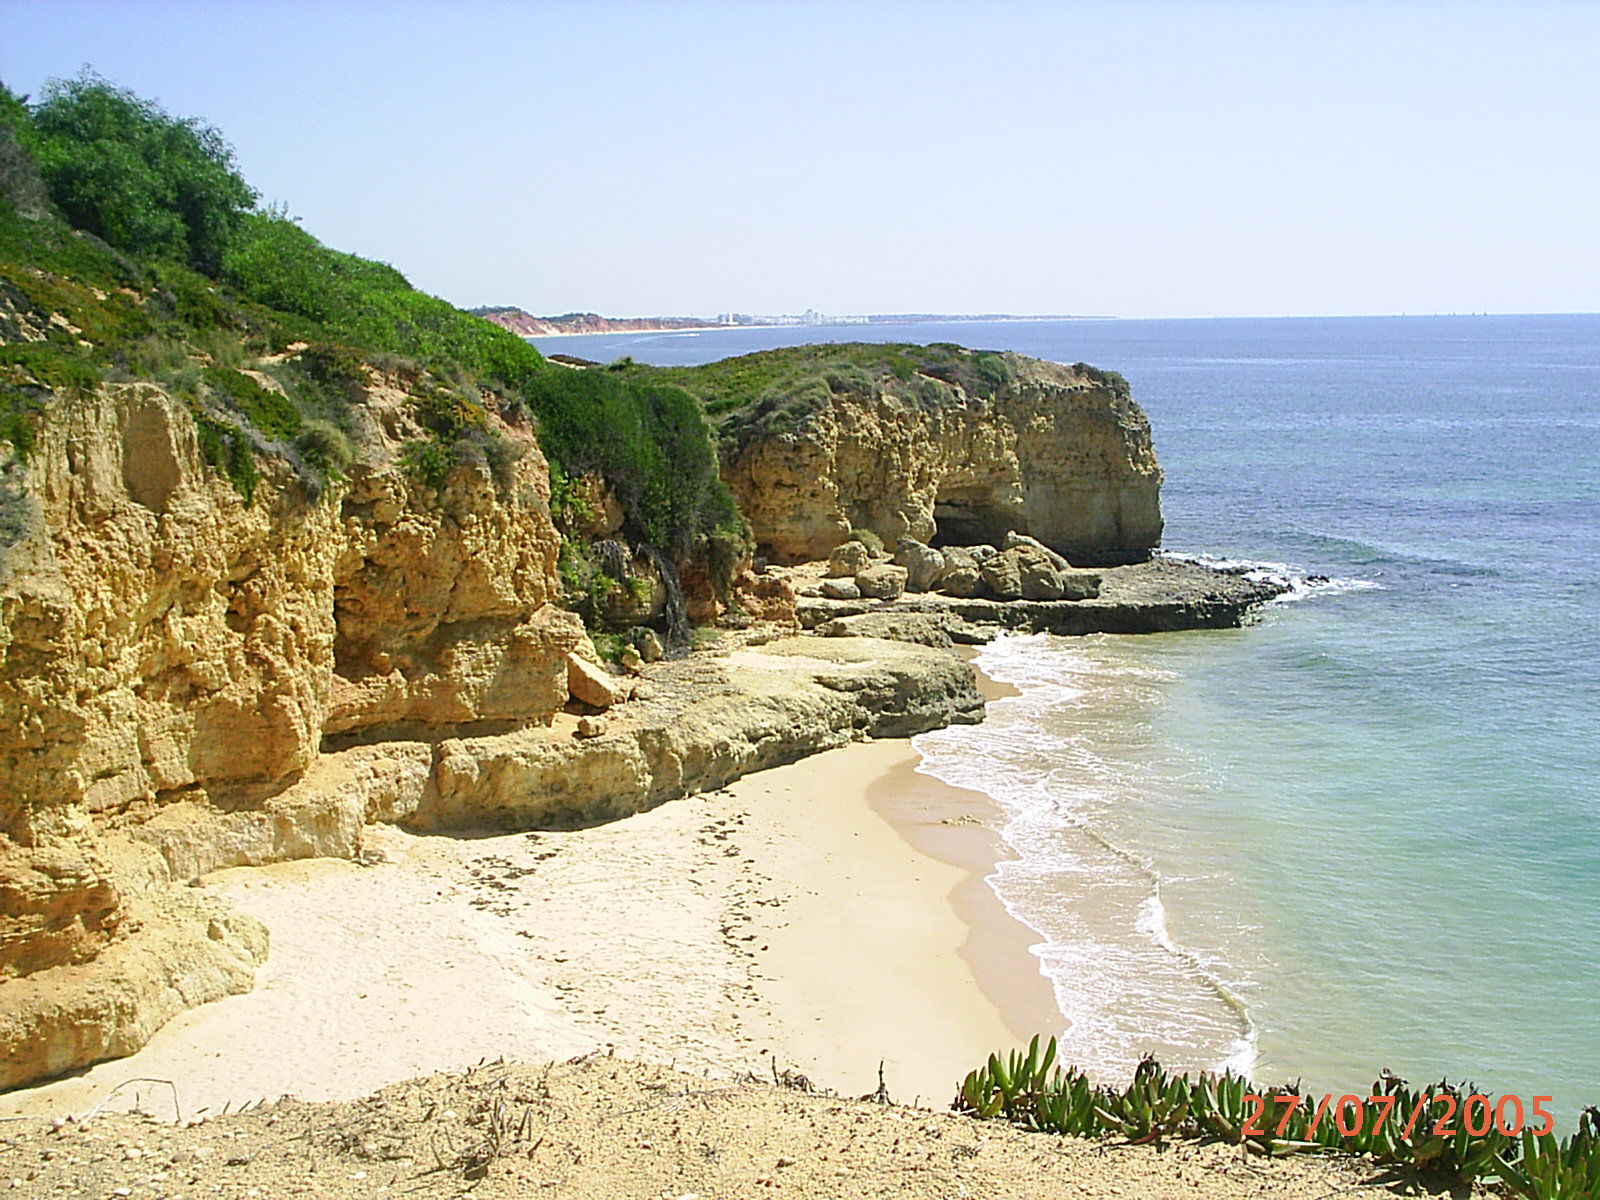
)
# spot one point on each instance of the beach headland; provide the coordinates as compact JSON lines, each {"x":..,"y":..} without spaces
{"x":821,"y":916}
{"x":691,"y":972}
{"x":814,"y":902}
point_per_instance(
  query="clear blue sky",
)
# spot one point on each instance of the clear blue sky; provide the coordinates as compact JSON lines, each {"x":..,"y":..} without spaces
{"x":1136,"y":159}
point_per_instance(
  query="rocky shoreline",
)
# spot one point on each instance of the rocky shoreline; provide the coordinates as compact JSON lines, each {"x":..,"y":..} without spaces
{"x":756,"y":698}
{"x":203,"y":669}
{"x":1163,"y":595}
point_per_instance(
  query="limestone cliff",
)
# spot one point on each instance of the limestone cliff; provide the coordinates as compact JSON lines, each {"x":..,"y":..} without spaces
{"x":947,"y":455}
{"x":174,"y":659}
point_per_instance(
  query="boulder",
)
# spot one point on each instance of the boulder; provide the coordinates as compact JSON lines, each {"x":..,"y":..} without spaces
{"x":592,"y":685}
{"x":882,"y":582}
{"x":630,"y":661}
{"x":848,"y":560}
{"x":1041,"y":578}
{"x":841,"y":589}
{"x":960,"y":575}
{"x":590,"y":727}
{"x":764,"y":597}
{"x":923,"y":564}
{"x":1021,"y":541}
{"x":1026,"y":572}
{"x":648,"y":643}
{"x":1080,"y":585}
{"x":1002,"y":575}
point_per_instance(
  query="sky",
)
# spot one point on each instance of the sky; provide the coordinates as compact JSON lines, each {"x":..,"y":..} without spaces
{"x":1127,"y":159}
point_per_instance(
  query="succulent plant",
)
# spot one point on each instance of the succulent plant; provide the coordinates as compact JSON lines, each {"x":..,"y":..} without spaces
{"x":1393,"y":1124}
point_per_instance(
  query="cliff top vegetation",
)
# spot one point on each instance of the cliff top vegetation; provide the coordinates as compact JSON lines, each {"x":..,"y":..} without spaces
{"x":131,"y":248}
{"x":774,"y":391}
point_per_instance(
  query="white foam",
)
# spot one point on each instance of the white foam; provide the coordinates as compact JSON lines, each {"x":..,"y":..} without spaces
{"x":1121,"y":981}
{"x":1299,"y":584}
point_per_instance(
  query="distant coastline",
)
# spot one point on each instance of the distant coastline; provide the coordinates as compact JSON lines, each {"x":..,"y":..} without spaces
{"x":524,"y":323}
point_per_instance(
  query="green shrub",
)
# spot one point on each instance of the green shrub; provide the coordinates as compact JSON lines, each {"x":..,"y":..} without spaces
{"x":18,"y":413}
{"x":1108,"y":379}
{"x":609,"y":645}
{"x":1028,"y":1088}
{"x":171,"y":223}
{"x":325,"y":448}
{"x":431,"y":461}
{"x":341,"y":368}
{"x":993,"y":369}
{"x":867,"y":538}
{"x":125,"y":170}
{"x":273,"y":414}
{"x":154,"y":357}
{"x":49,"y":366}
{"x":228,"y":450}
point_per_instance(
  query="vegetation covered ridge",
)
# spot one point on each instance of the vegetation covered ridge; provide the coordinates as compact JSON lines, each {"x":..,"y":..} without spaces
{"x":772,"y":390}
{"x":132,"y":249}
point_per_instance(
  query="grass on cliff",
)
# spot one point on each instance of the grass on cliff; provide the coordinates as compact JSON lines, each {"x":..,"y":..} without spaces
{"x":129,"y":238}
{"x":795,"y":380}
{"x":776,"y":391}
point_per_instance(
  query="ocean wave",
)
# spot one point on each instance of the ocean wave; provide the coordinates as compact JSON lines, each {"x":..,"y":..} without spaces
{"x":1300,"y":584}
{"x":1122,"y":982}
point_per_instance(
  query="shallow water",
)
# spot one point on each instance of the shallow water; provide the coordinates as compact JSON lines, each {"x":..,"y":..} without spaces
{"x":1366,"y":831}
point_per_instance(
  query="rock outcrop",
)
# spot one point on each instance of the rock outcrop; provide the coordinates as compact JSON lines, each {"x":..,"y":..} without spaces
{"x":1060,"y":453}
{"x":1160,"y":596}
{"x":714,"y":719}
{"x":180,"y":667}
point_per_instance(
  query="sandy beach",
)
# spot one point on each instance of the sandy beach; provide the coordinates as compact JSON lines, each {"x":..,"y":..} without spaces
{"x":818,"y":917}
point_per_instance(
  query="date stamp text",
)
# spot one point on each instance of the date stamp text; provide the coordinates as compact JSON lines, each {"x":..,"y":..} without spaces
{"x":1440,"y":1115}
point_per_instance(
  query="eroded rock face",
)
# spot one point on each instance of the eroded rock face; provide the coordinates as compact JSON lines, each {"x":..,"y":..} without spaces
{"x":173,"y":661}
{"x":1056,"y":454}
{"x":752,"y":709}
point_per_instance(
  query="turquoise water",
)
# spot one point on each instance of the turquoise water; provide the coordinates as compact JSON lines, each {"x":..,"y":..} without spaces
{"x":1364,"y":832}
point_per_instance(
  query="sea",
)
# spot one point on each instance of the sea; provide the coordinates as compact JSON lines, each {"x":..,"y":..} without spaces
{"x":1363,"y":832}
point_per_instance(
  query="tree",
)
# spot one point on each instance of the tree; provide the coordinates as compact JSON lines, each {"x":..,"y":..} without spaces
{"x":149,"y":183}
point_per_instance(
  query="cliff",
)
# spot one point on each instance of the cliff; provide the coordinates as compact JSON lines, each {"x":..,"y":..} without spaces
{"x":173,"y":660}
{"x":525,"y":324}
{"x":940,"y":444}
{"x":288,"y":547}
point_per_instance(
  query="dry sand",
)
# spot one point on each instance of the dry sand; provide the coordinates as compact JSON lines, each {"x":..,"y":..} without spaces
{"x":606,"y":1129}
{"x":814,"y":919}
{"x":783,"y":919}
